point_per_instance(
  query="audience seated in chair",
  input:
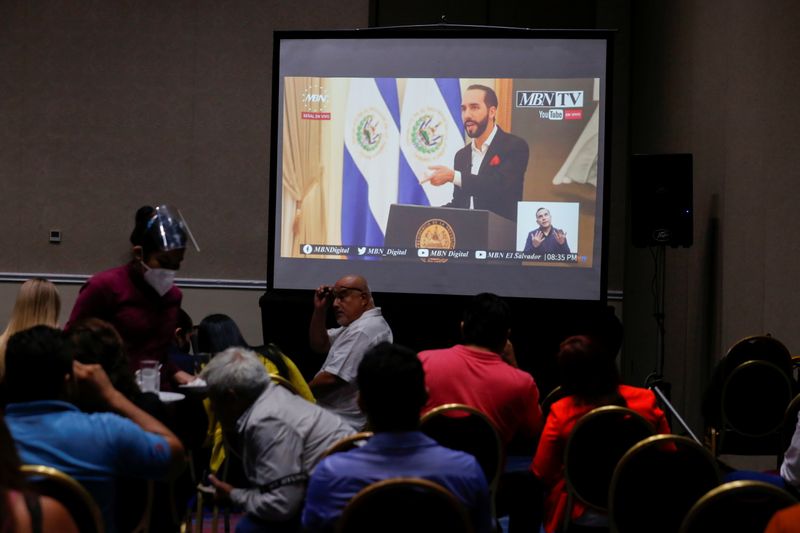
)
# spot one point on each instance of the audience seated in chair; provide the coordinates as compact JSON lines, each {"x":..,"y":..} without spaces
{"x":37,"y":304}
{"x":278,"y":435}
{"x":19,"y":507}
{"x":218,"y":332}
{"x":482,"y":374}
{"x":391,"y":393}
{"x":361,"y":326}
{"x":92,"y":448}
{"x":590,"y":378}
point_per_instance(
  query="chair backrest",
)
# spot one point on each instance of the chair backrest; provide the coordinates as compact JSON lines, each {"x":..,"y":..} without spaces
{"x":759,"y":348}
{"x":70,"y":493}
{"x":754,"y":399}
{"x":400,"y":505}
{"x":741,"y":506}
{"x":461,"y":427}
{"x":594,"y":447}
{"x":656,"y":483}
{"x":552,"y":397}
{"x":348,"y":443}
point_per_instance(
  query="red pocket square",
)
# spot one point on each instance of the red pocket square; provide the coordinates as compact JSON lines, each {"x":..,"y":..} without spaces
{"x":493,"y":162}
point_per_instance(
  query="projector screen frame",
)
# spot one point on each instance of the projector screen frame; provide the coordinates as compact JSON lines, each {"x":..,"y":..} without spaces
{"x":443,"y":32}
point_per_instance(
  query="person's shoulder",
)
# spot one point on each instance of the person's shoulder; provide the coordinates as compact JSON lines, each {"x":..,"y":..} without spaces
{"x":632,"y":393}
{"x":510,"y":139}
{"x":456,"y":461}
{"x":110,"y":276}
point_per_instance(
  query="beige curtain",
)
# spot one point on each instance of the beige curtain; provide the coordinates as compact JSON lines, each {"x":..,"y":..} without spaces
{"x":303,"y":201}
{"x":504,"y":88}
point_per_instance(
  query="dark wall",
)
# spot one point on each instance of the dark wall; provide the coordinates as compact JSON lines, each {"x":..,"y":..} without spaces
{"x":110,"y":105}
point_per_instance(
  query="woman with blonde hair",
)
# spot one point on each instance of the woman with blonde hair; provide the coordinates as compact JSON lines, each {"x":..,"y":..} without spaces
{"x":38,"y":304}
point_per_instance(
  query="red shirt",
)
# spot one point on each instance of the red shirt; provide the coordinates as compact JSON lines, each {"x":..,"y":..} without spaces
{"x":507,"y":395}
{"x":548,"y":464}
{"x":145,"y":321}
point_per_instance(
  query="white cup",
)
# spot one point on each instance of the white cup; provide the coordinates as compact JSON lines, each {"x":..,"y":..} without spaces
{"x":149,"y":376}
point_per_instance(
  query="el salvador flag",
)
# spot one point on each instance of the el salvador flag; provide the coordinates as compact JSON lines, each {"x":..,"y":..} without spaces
{"x":371,"y":159}
{"x":431,"y":134}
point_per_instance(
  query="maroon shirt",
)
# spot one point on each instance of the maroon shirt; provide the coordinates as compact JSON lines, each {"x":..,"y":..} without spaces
{"x":145,"y":321}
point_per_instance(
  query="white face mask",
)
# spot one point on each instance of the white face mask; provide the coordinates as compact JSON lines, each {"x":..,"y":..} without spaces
{"x":161,"y":279}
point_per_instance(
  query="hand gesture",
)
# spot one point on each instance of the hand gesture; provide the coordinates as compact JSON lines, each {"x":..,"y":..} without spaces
{"x":322,"y":297}
{"x":561,"y":237}
{"x":93,"y":379}
{"x":439,"y":175}
{"x":508,"y":354}
{"x":537,"y":238}
{"x":223,"y":490}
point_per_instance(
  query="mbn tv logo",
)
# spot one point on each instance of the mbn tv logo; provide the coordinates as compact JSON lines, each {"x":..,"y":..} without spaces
{"x":558,"y":99}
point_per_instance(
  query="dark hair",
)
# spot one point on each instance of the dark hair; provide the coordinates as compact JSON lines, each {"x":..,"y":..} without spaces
{"x":216,"y":333}
{"x":489,"y":96}
{"x":392,"y":387}
{"x":184,"y":321}
{"x":588,"y":373}
{"x":487,"y":319}
{"x":139,"y":233}
{"x":95,"y":341}
{"x":11,"y":477}
{"x":37,"y":359}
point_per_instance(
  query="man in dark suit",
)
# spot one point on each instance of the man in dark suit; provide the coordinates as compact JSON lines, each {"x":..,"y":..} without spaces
{"x":489,"y":172}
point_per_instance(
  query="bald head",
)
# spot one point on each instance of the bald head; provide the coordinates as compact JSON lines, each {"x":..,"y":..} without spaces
{"x":351,"y":299}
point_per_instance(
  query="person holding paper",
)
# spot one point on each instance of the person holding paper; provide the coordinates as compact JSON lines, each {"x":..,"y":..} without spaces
{"x":489,"y":172}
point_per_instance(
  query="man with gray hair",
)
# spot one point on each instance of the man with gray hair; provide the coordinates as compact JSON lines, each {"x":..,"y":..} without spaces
{"x":279,"y":436}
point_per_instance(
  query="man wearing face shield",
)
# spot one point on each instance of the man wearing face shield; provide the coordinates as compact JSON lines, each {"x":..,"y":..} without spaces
{"x":140,"y":298}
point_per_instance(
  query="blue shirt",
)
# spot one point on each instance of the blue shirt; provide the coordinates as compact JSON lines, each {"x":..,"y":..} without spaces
{"x":386,"y":455}
{"x":92,"y":448}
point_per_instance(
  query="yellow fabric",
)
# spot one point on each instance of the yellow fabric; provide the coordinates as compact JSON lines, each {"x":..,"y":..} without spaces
{"x":214,"y":432}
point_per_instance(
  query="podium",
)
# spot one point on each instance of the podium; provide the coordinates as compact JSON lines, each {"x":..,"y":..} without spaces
{"x":472,"y":229}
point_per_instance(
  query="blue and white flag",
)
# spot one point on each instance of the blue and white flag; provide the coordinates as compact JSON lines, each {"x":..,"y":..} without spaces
{"x":371,"y":159}
{"x":431,"y":134}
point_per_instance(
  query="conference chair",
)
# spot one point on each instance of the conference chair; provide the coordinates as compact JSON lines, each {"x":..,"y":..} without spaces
{"x":656,"y":483}
{"x":401,"y":505}
{"x":347,"y":443}
{"x":740,"y":506}
{"x":594,"y":447}
{"x":461,"y":427}
{"x":49,"y":481}
{"x":552,"y":397}
{"x":746,"y":402}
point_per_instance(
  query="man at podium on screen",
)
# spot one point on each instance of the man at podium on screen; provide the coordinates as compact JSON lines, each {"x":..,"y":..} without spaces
{"x":489,"y":172}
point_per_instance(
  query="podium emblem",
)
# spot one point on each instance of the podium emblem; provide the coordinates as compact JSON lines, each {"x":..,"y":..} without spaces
{"x":435,"y":234}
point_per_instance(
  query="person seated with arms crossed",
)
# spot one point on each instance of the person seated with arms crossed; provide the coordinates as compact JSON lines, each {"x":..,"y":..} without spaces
{"x":590,"y":378}
{"x":391,"y":392}
{"x":92,"y":448}
{"x":361,"y":327}
{"x":278,"y":435}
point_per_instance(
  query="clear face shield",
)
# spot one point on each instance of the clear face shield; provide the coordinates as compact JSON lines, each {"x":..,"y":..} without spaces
{"x":168,"y":230}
